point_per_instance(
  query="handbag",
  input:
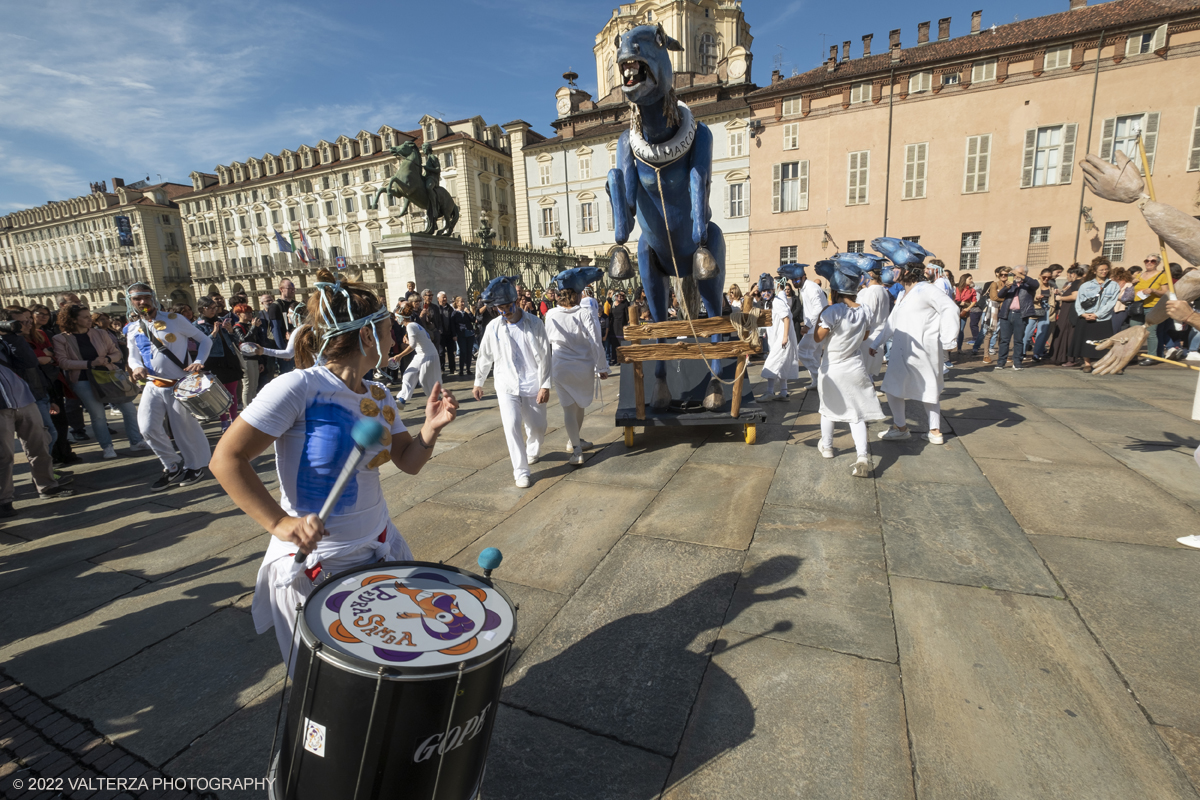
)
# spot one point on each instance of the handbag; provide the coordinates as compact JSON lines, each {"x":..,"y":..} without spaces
{"x":1136,"y":311}
{"x":1090,"y":303}
{"x":113,"y":386}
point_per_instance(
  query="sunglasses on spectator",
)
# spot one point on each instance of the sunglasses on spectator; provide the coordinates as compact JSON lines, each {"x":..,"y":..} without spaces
{"x":1150,"y":261}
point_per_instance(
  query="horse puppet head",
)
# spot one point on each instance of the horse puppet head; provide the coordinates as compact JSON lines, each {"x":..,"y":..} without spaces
{"x":647,"y":79}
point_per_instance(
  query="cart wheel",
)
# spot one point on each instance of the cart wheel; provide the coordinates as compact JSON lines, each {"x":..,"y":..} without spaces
{"x":629,"y":436}
{"x":750,"y":433}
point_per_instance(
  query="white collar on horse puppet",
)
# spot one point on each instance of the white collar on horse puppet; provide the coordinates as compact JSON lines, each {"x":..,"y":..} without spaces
{"x":671,"y":149}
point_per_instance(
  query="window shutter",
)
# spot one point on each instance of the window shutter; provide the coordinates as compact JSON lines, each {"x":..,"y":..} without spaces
{"x":1194,"y":156}
{"x":852,"y":180}
{"x":1150,"y":137}
{"x":579,"y":218}
{"x":803,"y":186}
{"x":746,"y":195}
{"x":1133,"y":44}
{"x":1067,"y":161}
{"x":1158,"y":43}
{"x":982,"y":166}
{"x":1027,"y":161}
{"x":775,"y":188}
{"x":910,"y":171}
{"x":728,"y":207}
{"x":611,"y":216}
{"x":922,"y":160}
{"x":1107,"y":131}
{"x":556,"y":230}
{"x":972,"y":165}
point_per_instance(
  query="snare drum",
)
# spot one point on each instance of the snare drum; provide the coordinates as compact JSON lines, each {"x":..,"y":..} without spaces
{"x":398,"y":671}
{"x":203,"y":396}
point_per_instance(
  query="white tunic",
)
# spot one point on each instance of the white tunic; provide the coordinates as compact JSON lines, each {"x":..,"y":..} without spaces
{"x":781,"y":358}
{"x":847,"y":392}
{"x":814,"y":299}
{"x":418,"y":339}
{"x":877,"y":305}
{"x":577,"y":356}
{"x":923,"y":327}
{"x":495,"y":349}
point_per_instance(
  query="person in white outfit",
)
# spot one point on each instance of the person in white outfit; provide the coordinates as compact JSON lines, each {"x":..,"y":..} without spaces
{"x":158,"y":354}
{"x":847,"y":393}
{"x":577,"y":356}
{"x":516,"y":344}
{"x":308,"y":414}
{"x":589,"y":302}
{"x":877,"y":305}
{"x":923,"y":327}
{"x":782,"y":362}
{"x":425,"y":367}
{"x":813,"y":299}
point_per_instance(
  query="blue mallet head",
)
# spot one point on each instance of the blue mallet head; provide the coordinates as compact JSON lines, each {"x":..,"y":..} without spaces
{"x":367,"y":433}
{"x":490,"y":558}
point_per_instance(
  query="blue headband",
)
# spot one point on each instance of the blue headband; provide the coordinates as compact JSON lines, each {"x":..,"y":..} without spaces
{"x":334,"y":327}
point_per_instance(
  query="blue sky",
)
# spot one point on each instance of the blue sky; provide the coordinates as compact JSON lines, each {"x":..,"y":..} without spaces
{"x":93,"y":90}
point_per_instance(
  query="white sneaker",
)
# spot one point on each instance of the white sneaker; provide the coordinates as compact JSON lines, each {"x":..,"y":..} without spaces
{"x":533,"y":459}
{"x":825,"y":450}
{"x":861,"y":468}
{"x":576,"y":459}
{"x":935,"y":438}
{"x":894,"y":434}
{"x":109,"y":452}
{"x":141,"y":447}
{"x":1190,"y":541}
{"x":584,"y":444}
{"x":523,"y":482}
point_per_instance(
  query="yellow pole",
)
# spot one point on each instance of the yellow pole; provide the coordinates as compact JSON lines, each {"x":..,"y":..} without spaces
{"x":1169,"y":361}
{"x":1162,"y":246}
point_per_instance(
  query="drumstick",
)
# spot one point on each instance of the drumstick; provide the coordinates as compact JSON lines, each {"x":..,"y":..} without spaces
{"x":489,"y":559}
{"x":365,"y":433}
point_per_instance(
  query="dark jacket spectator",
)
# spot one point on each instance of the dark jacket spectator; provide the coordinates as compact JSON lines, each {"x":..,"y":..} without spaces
{"x":1025,"y":290}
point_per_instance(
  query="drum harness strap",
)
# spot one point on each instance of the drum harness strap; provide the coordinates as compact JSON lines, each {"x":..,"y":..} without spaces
{"x":162,"y":348}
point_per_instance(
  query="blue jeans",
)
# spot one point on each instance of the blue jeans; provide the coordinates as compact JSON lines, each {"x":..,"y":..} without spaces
{"x":95,"y":408}
{"x":44,"y":407}
{"x":1011,"y":328}
{"x":1037,"y":331}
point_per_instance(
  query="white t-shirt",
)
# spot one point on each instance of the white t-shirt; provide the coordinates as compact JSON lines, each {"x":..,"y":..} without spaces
{"x":419,"y":339}
{"x":310,"y":412}
{"x":524,"y":361}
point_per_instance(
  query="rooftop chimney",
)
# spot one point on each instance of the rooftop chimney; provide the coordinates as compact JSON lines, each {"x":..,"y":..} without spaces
{"x":867,"y":45}
{"x":846,"y":50}
{"x":894,"y":39}
{"x":976,"y":19}
{"x":774,"y":76}
{"x":922,"y":33}
{"x":1078,"y":4}
{"x":833,"y":53}
{"x":943,"y":29}
{"x":118,"y":183}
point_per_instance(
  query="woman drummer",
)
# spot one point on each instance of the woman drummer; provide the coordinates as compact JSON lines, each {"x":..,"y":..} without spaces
{"x":308,"y":415}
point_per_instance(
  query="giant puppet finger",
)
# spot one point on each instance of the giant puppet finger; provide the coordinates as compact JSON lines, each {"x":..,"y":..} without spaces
{"x":1122,"y":348}
{"x":1120,"y":182}
{"x":1187,"y":289}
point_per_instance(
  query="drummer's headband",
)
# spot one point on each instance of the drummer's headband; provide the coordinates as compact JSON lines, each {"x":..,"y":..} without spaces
{"x":334,"y":327}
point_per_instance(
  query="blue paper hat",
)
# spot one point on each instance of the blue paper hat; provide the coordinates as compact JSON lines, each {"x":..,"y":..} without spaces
{"x":792,"y":271}
{"x":500,"y":291}
{"x":766,"y":283}
{"x":843,"y":276}
{"x":576,"y":278}
{"x":901,"y":252}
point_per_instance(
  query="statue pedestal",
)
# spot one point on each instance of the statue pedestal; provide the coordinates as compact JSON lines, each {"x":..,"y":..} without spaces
{"x":431,"y":262}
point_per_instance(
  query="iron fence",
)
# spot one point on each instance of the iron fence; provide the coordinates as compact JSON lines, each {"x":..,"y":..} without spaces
{"x":535,"y":268}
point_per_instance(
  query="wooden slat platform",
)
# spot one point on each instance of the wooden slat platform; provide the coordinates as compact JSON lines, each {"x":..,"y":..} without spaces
{"x":702,"y":327}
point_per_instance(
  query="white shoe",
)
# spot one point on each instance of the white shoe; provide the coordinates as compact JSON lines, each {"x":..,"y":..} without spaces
{"x":894,"y":434}
{"x":935,"y":438}
{"x":861,"y":468}
{"x":576,"y":459}
{"x":141,"y":447}
{"x":523,"y":482}
{"x":109,"y":452}
{"x":1190,"y":541}
{"x":825,"y":450}
{"x":533,"y":459}
{"x":584,"y":444}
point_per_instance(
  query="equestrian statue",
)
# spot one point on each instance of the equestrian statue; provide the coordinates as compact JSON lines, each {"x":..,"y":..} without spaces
{"x":662,"y":180}
{"x":421,"y":188}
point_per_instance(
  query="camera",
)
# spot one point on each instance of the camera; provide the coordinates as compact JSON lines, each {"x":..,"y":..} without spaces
{"x":10,"y":326}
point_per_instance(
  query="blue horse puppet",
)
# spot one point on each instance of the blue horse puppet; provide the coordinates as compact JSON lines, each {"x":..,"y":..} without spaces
{"x":662,"y":181}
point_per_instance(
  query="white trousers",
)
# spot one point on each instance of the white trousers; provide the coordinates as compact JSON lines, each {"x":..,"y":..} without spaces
{"x":424,"y":370}
{"x":777,"y":386}
{"x":896,"y":404}
{"x":858,"y":431}
{"x":572,"y":421}
{"x":517,"y":411}
{"x":159,"y":405}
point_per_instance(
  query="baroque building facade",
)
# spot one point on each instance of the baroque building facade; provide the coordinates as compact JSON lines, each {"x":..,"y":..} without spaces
{"x":74,"y":246}
{"x":971,"y":145}
{"x":560,"y":180}
{"x":326,"y":191}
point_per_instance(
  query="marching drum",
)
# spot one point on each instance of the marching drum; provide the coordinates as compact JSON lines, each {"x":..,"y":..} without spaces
{"x":398,"y":671}
{"x":203,"y":396}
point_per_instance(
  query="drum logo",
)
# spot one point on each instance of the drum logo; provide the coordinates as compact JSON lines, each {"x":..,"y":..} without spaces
{"x":452,"y":739}
{"x":401,"y":619}
{"x":314,"y":738}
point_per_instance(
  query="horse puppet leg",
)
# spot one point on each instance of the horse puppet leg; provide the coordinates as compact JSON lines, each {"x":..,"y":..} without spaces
{"x":656,"y":283}
{"x":712,"y":295}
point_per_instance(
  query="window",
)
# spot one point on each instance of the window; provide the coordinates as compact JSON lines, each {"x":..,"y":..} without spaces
{"x":259,"y":219}
{"x":291,"y":214}
{"x":736,"y":207}
{"x":708,"y":54}
{"x":857,"y":178}
{"x":228,"y":225}
{"x":485,"y":191}
{"x":329,"y":208}
{"x":975,"y":175}
{"x":915,"y":161}
{"x":612,"y":73}
{"x":1049,"y":153}
{"x":968,"y":255}
{"x":1114,"y":241}
{"x":346,"y":150}
{"x":951,"y":78}
{"x":1146,"y":41}
{"x":789,"y":187}
{"x":306,"y":186}
{"x":855,"y":245}
{"x":366,"y":175}
{"x":308,"y":159}
{"x":737,"y":143}
{"x":983,"y":71}
{"x":791,"y":105}
{"x":192,"y":231}
{"x":1121,"y":134}
{"x":1038,"y":254}
{"x":346,"y":180}
{"x":1194,"y":154}
{"x":1058,"y":57}
{"x":587,"y":218}
{"x":448,"y":159}
{"x":787,"y":255}
{"x":310,"y":211}
{"x":921,"y":82}
{"x":243,"y":224}
{"x":326,"y":182}
{"x":585,"y":167}
{"x":549,"y":225}
{"x":860,"y":93}
{"x":791,"y":136}
{"x":913,"y":239}
{"x":349,"y":205}
{"x":483,"y":163}
{"x":544,"y":173}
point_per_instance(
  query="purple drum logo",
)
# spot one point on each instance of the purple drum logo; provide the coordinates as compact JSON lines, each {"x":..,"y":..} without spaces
{"x":400,"y":619}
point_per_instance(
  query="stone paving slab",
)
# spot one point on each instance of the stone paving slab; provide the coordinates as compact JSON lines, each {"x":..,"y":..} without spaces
{"x":154,"y":557}
{"x":436,"y":532}
{"x":829,"y":579}
{"x":918,"y":460}
{"x":1091,"y":397}
{"x":958,"y":534}
{"x":1040,"y":439}
{"x":625,"y":656}
{"x":803,"y":481}
{"x":1109,"y":503}
{"x":476,"y":453}
{"x":154,"y":702}
{"x":1156,"y":428}
{"x":689,"y":510}
{"x":534,"y":758}
{"x":561,"y":535}
{"x":535,"y":609}
{"x":404,"y":491}
{"x":56,"y":597}
{"x":1171,"y":469}
{"x":1185,"y":748}
{"x":1008,"y":696}
{"x":1140,"y":603}
{"x":494,"y":489}
{"x":728,"y":446}
{"x":775,"y":719}
{"x":656,"y":456}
